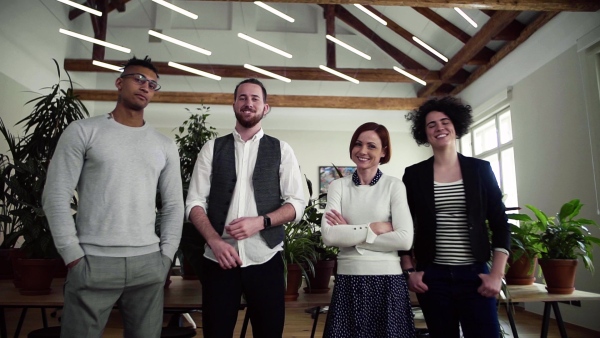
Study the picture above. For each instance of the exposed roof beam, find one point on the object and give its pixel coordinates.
(541, 20)
(118, 5)
(294, 73)
(512, 5)
(509, 33)
(482, 57)
(296, 101)
(497, 23)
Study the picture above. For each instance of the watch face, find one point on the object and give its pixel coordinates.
(267, 222)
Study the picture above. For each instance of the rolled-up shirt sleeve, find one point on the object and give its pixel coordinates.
(291, 181)
(199, 188)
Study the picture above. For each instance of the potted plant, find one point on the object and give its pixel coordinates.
(25, 176)
(10, 227)
(299, 255)
(192, 135)
(565, 239)
(525, 247)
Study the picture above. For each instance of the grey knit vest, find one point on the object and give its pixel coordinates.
(265, 180)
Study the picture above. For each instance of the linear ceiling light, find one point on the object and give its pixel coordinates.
(267, 73)
(179, 42)
(82, 7)
(194, 71)
(107, 65)
(464, 15)
(426, 46)
(176, 9)
(348, 47)
(274, 11)
(336, 73)
(96, 41)
(371, 14)
(264, 45)
(410, 76)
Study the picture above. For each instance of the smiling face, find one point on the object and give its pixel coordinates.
(367, 150)
(249, 105)
(133, 95)
(440, 130)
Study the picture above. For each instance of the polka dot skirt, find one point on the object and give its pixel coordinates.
(370, 307)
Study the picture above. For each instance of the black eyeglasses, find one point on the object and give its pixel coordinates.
(141, 79)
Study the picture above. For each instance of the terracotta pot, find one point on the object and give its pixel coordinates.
(14, 257)
(61, 269)
(6, 269)
(559, 275)
(521, 271)
(319, 283)
(36, 275)
(294, 280)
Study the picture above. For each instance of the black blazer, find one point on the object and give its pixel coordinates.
(483, 200)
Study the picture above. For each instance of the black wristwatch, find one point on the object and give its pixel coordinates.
(267, 221)
(407, 272)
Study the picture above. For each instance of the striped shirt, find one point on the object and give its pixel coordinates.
(453, 246)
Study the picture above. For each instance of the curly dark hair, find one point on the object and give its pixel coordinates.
(384, 136)
(252, 81)
(146, 62)
(459, 114)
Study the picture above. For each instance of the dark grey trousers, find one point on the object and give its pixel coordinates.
(95, 284)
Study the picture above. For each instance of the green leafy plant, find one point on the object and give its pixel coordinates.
(299, 248)
(10, 227)
(525, 237)
(567, 237)
(24, 175)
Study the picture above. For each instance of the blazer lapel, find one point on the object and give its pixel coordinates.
(470, 182)
(426, 181)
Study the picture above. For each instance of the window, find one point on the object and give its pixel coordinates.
(491, 140)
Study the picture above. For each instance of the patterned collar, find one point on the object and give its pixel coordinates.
(375, 179)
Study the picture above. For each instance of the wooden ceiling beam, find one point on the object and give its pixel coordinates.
(507, 5)
(536, 24)
(497, 22)
(118, 5)
(294, 73)
(329, 14)
(352, 21)
(284, 101)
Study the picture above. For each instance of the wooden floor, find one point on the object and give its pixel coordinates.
(298, 324)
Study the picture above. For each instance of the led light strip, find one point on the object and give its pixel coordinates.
(464, 15)
(194, 71)
(348, 47)
(179, 42)
(176, 9)
(264, 45)
(107, 65)
(96, 41)
(429, 48)
(410, 76)
(82, 7)
(274, 11)
(371, 14)
(267, 73)
(336, 73)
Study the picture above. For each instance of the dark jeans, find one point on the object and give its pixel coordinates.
(452, 298)
(263, 287)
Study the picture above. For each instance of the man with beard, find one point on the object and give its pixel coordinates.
(245, 186)
(116, 162)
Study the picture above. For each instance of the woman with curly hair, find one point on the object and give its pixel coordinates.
(454, 200)
(367, 217)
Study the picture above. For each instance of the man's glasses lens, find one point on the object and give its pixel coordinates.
(141, 79)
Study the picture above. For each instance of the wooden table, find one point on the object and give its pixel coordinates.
(537, 293)
(182, 295)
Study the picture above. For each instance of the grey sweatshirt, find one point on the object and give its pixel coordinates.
(116, 170)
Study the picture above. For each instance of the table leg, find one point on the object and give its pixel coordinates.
(315, 320)
(20, 324)
(44, 319)
(559, 320)
(3, 333)
(245, 324)
(545, 320)
(511, 319)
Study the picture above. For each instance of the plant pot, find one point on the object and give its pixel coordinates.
(521, 271)
(15, 255)
(559, 275)
(36, 275)
(319, 283)
(294, 280)
(6, 269)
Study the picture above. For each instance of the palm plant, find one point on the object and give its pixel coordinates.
(24, 175)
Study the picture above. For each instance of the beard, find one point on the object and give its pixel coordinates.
(250, 121)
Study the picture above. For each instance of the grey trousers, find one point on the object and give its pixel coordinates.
(135, 284)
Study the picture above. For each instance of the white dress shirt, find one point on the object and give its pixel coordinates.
(252, 250)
